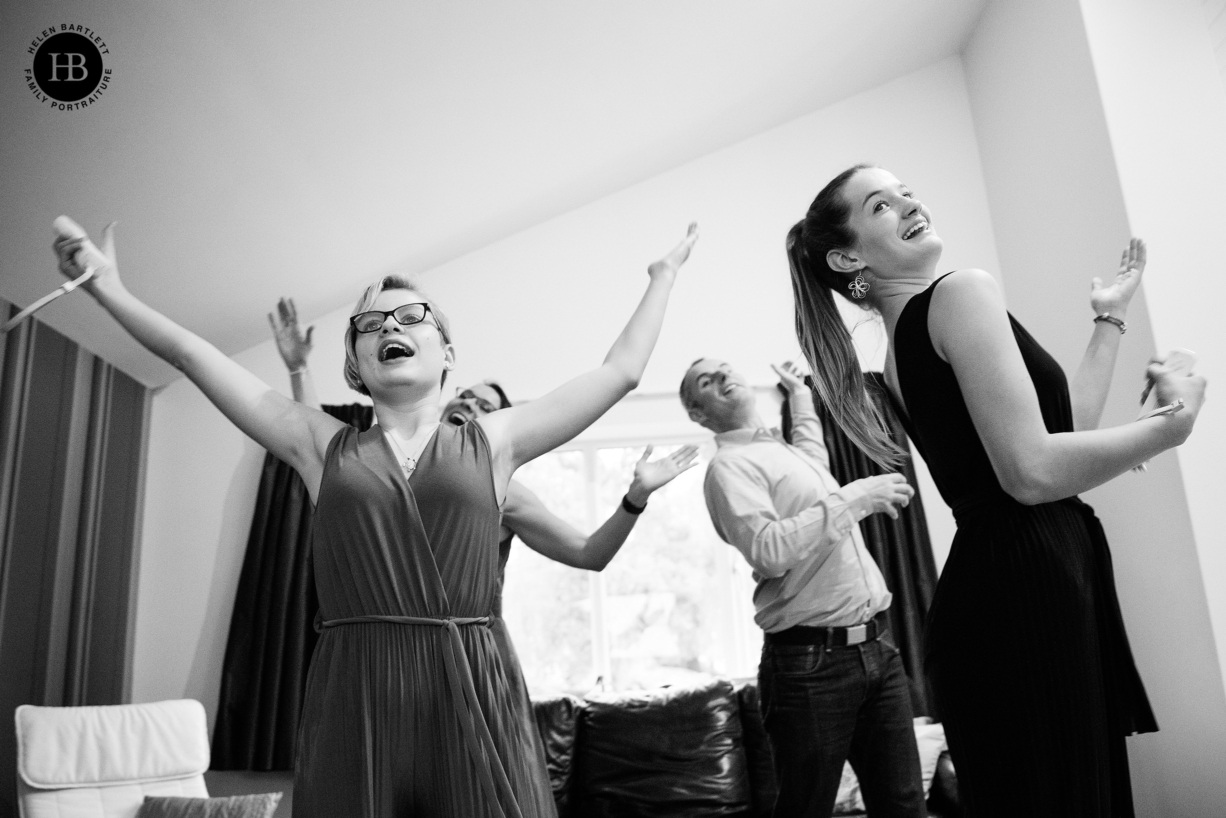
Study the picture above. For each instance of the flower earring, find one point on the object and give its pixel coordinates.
(859, 287)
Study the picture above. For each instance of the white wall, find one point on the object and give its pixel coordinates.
(545, 304)
(1064, 207)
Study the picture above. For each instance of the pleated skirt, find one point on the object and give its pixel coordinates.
(380, 736)
(1019, 652)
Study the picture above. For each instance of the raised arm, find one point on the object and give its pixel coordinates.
(1089, 387)
(549, 535)
(970, 329)
(294, 345)
(522, 433)
(292, 432)
(807, 434)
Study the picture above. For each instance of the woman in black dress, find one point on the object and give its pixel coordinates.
(1025, 647)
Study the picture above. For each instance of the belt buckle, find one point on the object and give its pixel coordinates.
(857, 634)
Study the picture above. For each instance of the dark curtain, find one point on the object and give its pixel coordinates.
(901, 547)
(272, 632)
(72, 446)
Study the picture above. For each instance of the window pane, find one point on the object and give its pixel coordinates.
(546, 604)
(677, 607)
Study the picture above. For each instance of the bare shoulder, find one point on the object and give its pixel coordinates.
(965, 305)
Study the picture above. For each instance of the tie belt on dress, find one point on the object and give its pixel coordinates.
(463, 695)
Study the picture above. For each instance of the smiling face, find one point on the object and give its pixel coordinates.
(717, 397)
(471, 403)
(893, 228)
(397, 356)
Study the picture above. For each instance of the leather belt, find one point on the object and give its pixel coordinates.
(830, 637)
(464, 697)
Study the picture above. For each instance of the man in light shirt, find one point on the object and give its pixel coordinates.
(831, 683)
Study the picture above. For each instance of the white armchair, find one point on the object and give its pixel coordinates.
(101, 762)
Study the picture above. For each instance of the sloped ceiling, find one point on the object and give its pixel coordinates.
(251, 150)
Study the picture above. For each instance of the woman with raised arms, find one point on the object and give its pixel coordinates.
(1025, 648)
(407, 709)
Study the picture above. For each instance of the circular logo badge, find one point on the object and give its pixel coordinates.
(67, 67)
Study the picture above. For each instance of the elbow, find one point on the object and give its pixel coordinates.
(1029, 488)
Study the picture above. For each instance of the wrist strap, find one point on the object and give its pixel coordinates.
(1111, 319)
(631, 508)
(299, 370)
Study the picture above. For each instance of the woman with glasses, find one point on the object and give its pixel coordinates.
(523, 513)
(407, 708)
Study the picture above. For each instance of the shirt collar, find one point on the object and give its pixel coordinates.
(740, 437)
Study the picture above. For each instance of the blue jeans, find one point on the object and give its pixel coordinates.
(823, 706)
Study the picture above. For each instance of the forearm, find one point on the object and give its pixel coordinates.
(1092, 381)
(776, 547)
(1069, 463)
(154, 331)
(303, 386)
(630, 352)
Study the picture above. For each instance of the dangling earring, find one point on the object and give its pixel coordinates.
(859, 287)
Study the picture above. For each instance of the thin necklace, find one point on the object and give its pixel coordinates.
(408, 464)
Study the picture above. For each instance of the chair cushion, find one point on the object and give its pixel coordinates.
(70, 747)
(669, 752)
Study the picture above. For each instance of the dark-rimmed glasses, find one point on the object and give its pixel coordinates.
(406, 315)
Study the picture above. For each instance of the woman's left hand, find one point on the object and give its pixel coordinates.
(1113, 298)
(651, 475)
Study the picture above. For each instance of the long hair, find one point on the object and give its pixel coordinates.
(820, 329)
(395, 281)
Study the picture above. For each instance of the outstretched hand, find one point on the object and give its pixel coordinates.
(75, 253)
(792, 378)
(1114, 298)
(673, 261)
(651, 475)
(293, 344)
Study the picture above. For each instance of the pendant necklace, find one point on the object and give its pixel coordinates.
(407, 463)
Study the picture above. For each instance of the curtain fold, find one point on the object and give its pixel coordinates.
(272, 632)
(901, 547)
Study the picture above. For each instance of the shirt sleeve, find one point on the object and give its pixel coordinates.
(807, 432)
(739, 501)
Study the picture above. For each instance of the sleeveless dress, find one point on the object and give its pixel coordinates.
(1025, 646)
(408, 710)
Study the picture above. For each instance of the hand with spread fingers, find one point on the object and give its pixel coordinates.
(293, 344)
(650, 475)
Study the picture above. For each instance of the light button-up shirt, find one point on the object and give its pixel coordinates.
(779, 505)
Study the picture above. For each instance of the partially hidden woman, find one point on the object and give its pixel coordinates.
(1026, 650)
(523, 513)
(407, 708)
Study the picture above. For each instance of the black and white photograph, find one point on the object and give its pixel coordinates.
(671, 409)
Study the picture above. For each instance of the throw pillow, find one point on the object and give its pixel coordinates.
(234, 806)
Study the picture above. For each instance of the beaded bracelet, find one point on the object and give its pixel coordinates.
(1111, 319)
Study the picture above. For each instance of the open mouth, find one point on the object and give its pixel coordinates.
(394, 350)
(915, 230)
(457, 418)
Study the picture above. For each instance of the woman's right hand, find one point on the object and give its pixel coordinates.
(76, 253)
(1173, 383)
(886, 492)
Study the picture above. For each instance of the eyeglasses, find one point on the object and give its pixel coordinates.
(482, 403)
(406, 315)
